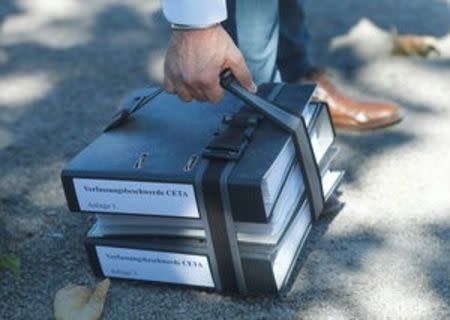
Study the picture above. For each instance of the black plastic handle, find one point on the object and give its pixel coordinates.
(284, 119)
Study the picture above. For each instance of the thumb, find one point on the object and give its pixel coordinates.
(242, 74)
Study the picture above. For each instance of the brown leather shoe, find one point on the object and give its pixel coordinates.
(353, 114)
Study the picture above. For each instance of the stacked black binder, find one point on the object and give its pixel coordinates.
(209, 196)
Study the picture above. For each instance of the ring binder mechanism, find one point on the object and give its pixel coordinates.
(219, 197)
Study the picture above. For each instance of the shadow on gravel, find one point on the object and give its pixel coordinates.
(355, 23)
(360, 37)
(322, 263)
(329, 256)
(438, 270)
(432, 18)
(74, 92)
(87, 80)
(77, 89)
(356, 149)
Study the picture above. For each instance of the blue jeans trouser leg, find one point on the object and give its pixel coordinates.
(293, 59)
(272, 37)
(254, 26)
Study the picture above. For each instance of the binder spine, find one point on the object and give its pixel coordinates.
(69, 192)
(259, 276)
(93, 258)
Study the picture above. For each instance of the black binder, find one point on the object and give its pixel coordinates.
(159, 141)
(208, 160)
(264, 269)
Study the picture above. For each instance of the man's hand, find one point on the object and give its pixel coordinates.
(195, 59)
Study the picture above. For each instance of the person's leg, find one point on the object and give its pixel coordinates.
(294, 63)
(294, 59)
(254, 26)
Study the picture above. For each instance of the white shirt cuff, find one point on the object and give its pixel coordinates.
(195, 12)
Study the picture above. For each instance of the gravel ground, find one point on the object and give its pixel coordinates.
(63, 66)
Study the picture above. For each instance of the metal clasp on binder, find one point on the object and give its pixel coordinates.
(230, 141)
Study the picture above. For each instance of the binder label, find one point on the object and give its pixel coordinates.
(157, 266)
(132, 197)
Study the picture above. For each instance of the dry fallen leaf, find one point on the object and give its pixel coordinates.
(74, 302)
(414, 45)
